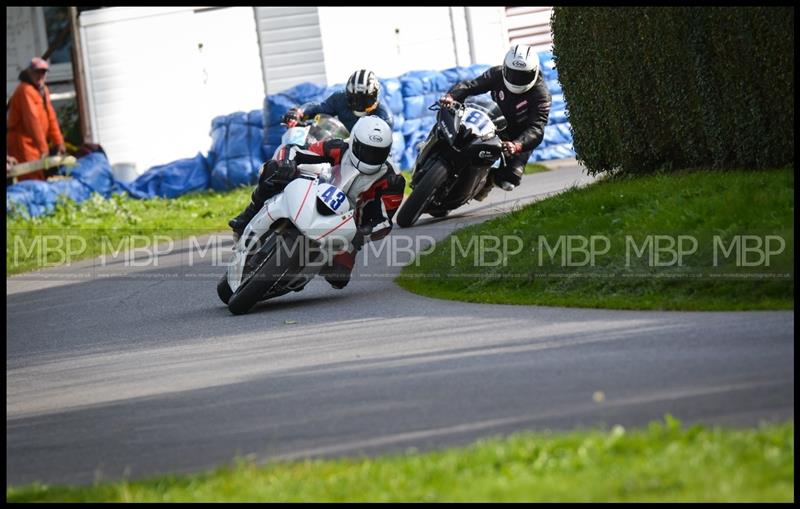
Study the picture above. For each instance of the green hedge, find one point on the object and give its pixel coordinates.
(652, 88)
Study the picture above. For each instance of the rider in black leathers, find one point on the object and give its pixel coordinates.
(522, 95)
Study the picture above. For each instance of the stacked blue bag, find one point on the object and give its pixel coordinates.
(235, 154)
(420, 90)
(557, 142)
(408, 97)
(392, 96)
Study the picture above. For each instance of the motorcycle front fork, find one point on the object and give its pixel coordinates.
(422, 153)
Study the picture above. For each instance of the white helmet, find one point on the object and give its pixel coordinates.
(370, 144)
(520, 69)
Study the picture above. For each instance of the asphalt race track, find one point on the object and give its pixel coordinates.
(114, 370)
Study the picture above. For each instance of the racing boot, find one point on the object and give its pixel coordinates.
(239, 222)
(506, 186)
(508, 179)
(272, 178)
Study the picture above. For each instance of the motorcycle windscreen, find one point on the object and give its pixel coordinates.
(295, 136)
(327, 127)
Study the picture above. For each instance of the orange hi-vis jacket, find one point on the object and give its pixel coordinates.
(31, 122)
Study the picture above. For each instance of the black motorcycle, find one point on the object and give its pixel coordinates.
(453, 164)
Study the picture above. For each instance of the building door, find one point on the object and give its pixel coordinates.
(227, 44)
(157, 76)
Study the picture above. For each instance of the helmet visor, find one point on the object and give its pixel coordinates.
(362, 102)
(519, 78)
(370, 154)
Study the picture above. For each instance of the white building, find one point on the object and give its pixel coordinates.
(156, 76)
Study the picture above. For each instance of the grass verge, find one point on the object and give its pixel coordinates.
(535, 168)
(626, 266)
(100, 223)
(663, 462)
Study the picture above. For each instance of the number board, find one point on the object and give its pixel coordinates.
(332, 196)
(479, 122)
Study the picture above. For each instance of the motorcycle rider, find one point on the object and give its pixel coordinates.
(359, 98)
(376, 191)
(525, 102)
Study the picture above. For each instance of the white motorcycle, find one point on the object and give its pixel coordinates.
(294, 235)
(297, 231)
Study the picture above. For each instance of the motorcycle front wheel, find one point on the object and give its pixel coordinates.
(423, 193)
(224, 291)
(268, 268)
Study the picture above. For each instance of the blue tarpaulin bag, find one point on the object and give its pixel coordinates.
(414, 107)
(94, 171)
(392, 95)
(72, 189)
(171, 180)
(30, 197)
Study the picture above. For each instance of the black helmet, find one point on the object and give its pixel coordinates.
(362, 92)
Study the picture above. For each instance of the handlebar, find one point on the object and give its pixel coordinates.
(453, 105)
(302, 123)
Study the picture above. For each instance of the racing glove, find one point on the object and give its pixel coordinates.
(362, 235)
(292, 117)
(447, 100)
(279, 172)
(512, 147)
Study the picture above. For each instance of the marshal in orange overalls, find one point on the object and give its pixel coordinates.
(31, 122)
